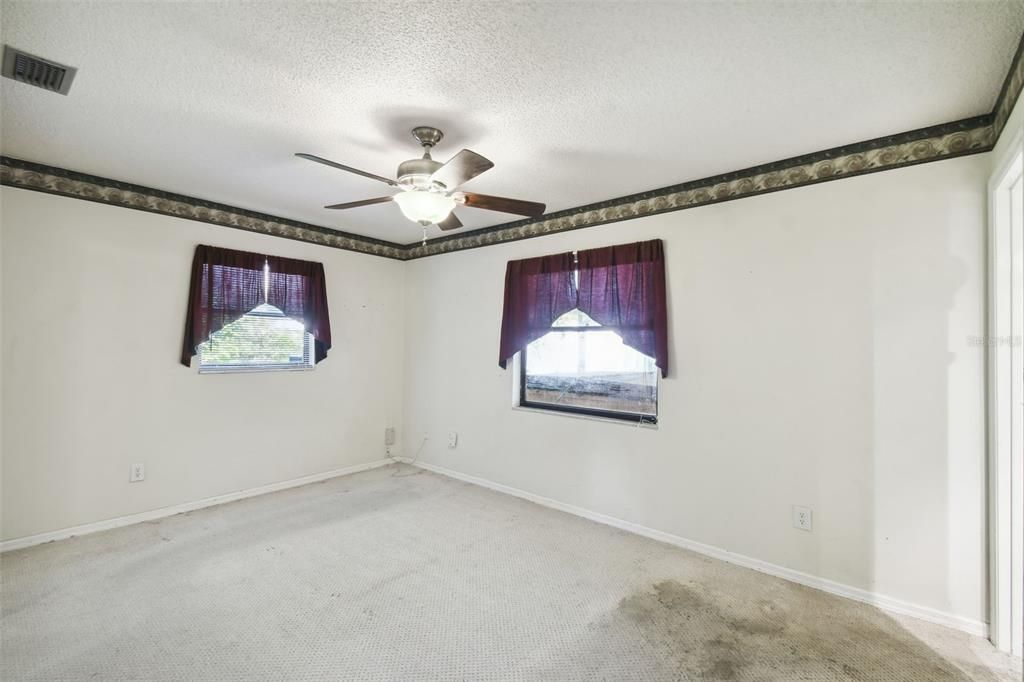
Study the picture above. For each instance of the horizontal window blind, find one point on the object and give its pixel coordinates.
(263, 338)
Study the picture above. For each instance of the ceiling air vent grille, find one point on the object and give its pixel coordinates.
(41, 73)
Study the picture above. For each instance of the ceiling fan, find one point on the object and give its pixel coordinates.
(429, 187)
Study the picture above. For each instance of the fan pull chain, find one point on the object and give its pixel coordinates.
(424, 235)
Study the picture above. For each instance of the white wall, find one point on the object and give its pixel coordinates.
(822, 356)
(93, 315)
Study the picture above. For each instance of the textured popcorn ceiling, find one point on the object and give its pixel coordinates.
(575, 103)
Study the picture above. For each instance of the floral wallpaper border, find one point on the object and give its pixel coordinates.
(1010, 92)
(933, 144)
(959, 138)
(52, 180)
(971, 136)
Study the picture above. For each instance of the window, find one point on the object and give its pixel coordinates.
(589, 329)
(262, 339)
(583, 367)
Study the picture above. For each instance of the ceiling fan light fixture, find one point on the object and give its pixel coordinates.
(424, 207)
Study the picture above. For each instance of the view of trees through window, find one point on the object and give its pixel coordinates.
(582, 366)
(263, 338)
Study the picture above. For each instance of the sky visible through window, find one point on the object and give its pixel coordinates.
(584, 353)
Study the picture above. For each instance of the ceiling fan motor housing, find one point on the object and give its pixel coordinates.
(415, 173)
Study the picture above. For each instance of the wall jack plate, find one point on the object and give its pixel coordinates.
(802, 517)
(137, 473)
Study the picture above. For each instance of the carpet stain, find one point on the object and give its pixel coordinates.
(704, 634)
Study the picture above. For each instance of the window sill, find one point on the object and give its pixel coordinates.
(589, 417)
(252, 370)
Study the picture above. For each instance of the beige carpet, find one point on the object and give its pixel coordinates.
(420, 577)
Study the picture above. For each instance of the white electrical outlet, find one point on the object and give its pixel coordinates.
(453, 440)
(137, 473)
(389, 435)
(802, 517)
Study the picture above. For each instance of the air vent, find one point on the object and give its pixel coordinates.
(41, 73)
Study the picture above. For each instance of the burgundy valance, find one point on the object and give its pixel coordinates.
(227, 284)
(621, 287)
(298, 289)
(537, 292)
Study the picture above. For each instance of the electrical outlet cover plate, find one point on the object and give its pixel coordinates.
(137, 473)
(802, 517)
(453, 439)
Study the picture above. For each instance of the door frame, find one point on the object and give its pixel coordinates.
(1006, 377)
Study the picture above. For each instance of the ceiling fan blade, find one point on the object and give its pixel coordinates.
(364, 202)
(461, 168)
(452, 222)
(343, 167)
(527, 208)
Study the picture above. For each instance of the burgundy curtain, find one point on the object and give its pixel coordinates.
(537, 292)
(298, 289)
(227, 284)
(624, 287)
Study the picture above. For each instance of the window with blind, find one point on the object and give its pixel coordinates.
(257, 338)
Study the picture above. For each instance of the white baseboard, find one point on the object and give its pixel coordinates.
(883, 602)
(107, 524)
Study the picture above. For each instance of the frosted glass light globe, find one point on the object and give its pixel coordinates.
(425, 207)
